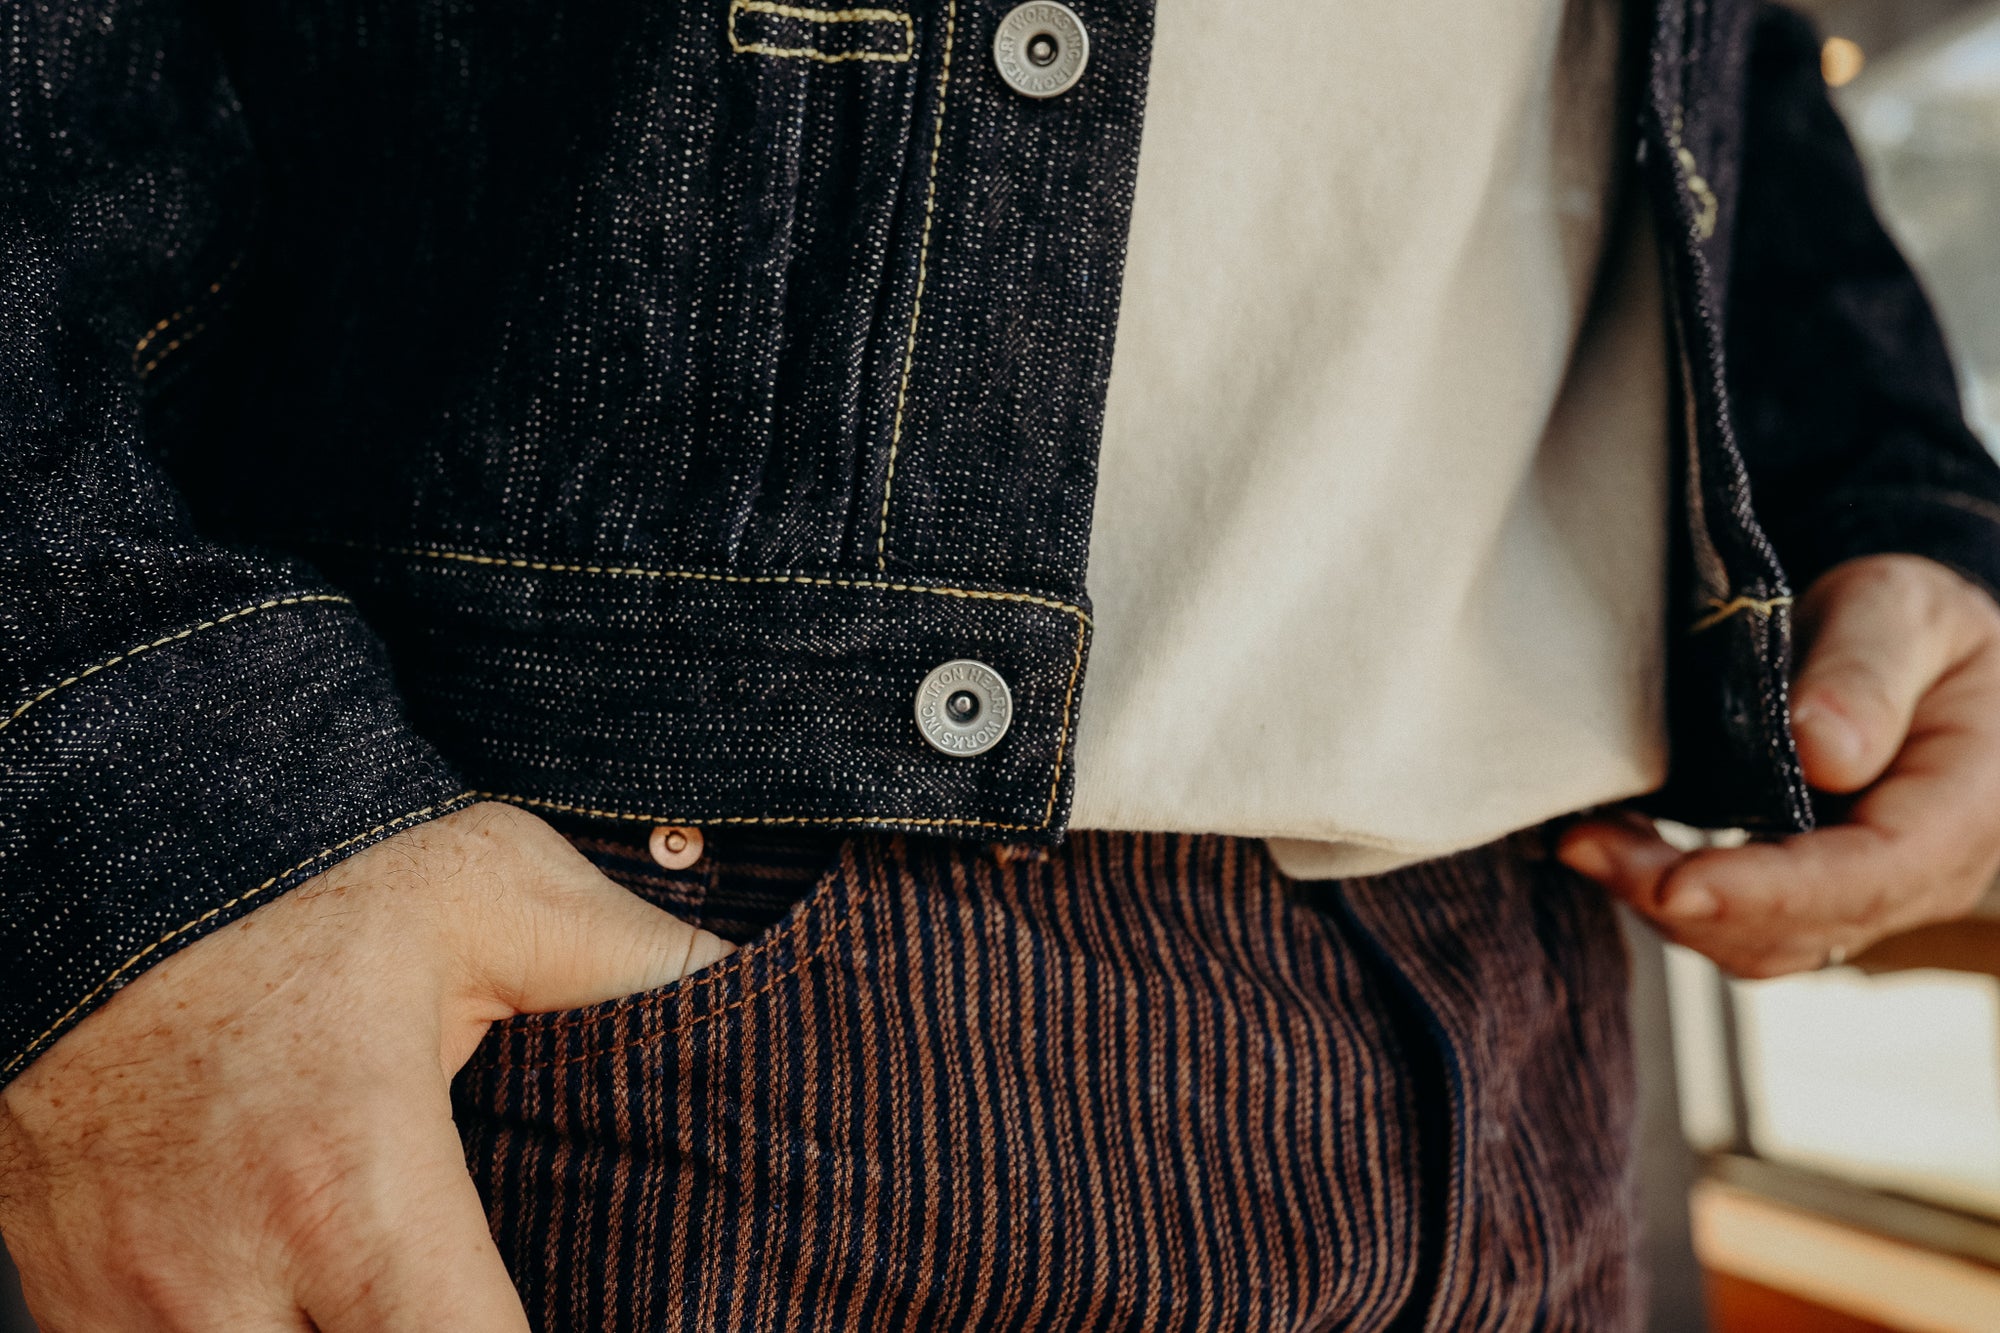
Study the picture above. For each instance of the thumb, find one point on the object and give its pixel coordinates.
(590, 940)
(1873, 650)
(566, 936)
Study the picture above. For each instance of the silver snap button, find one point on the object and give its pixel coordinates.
(963, 707)
(1041, 49)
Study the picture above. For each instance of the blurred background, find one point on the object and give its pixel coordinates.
(1823, 1152)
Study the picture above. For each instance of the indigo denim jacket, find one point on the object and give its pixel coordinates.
(618, 409)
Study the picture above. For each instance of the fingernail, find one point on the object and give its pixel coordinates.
(1587, 857)
(1830, 731)
(1691, 902)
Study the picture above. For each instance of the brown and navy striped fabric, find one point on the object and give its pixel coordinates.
(1141, 1082)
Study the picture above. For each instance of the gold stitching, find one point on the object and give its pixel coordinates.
(821, 16)
(68, 681)
(1062, 741)
(594, 812)
(146, 339)
(1709, 207)
(1763, 606)
(168, 350)
(555, 567)
(917, 302)
(214, 912)
(700, 576)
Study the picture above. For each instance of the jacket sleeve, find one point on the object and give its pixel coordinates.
(187, 730)
(1842, 389)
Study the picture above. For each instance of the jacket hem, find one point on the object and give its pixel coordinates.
(620, 692)
(148, 798)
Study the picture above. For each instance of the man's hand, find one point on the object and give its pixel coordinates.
(1898, 699)
(257, 1134)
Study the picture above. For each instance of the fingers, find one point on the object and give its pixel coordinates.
(1682, 896)
(1766, 909)
(1877, 634)
(1627, 857)
(413, 1253)
(1898, 699)
(1786, 907)
(257, 1132)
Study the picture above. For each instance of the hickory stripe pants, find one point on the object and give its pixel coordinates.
(1141, 1082)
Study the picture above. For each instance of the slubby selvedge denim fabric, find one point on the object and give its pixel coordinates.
(1142, 1082)
(618, 409)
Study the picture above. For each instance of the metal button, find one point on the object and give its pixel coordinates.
(675, 846)
(1041, 49)
(963, 707)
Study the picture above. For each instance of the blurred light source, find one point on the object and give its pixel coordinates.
(1840, 60)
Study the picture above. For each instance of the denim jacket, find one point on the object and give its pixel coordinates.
(619, 409)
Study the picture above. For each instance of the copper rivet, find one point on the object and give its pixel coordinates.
(675, 847)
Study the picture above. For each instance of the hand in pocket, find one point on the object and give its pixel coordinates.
(257, 1133)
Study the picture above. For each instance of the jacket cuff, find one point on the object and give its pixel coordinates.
(156, 796)
(1958, 531)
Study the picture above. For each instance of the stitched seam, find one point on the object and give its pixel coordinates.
(1709, 206)
(191, 630)
(917, 302)
(799, 964)
(1735, 606)
(213, 912)
(1062, 741)
(594, 812)
(708, 977)
(168, 349)
(556, 567)
(701, 576)
(821, 16)
(147, 339)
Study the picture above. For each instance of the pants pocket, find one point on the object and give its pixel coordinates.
(734, 900)
(628, 1151)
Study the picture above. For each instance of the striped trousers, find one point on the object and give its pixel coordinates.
(1140, 1082)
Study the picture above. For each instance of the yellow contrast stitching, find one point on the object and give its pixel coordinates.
(821, 16)
(702, 576)
(1709, 206)
(917, 303)
(129, 653)
(1062, 741)
(1048, 814)
(214, 912)
(810, 580)
(168, 350)
(706, 821)
(1735, 606)
(151, 335)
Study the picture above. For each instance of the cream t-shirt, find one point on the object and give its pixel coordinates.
(1378, 552)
